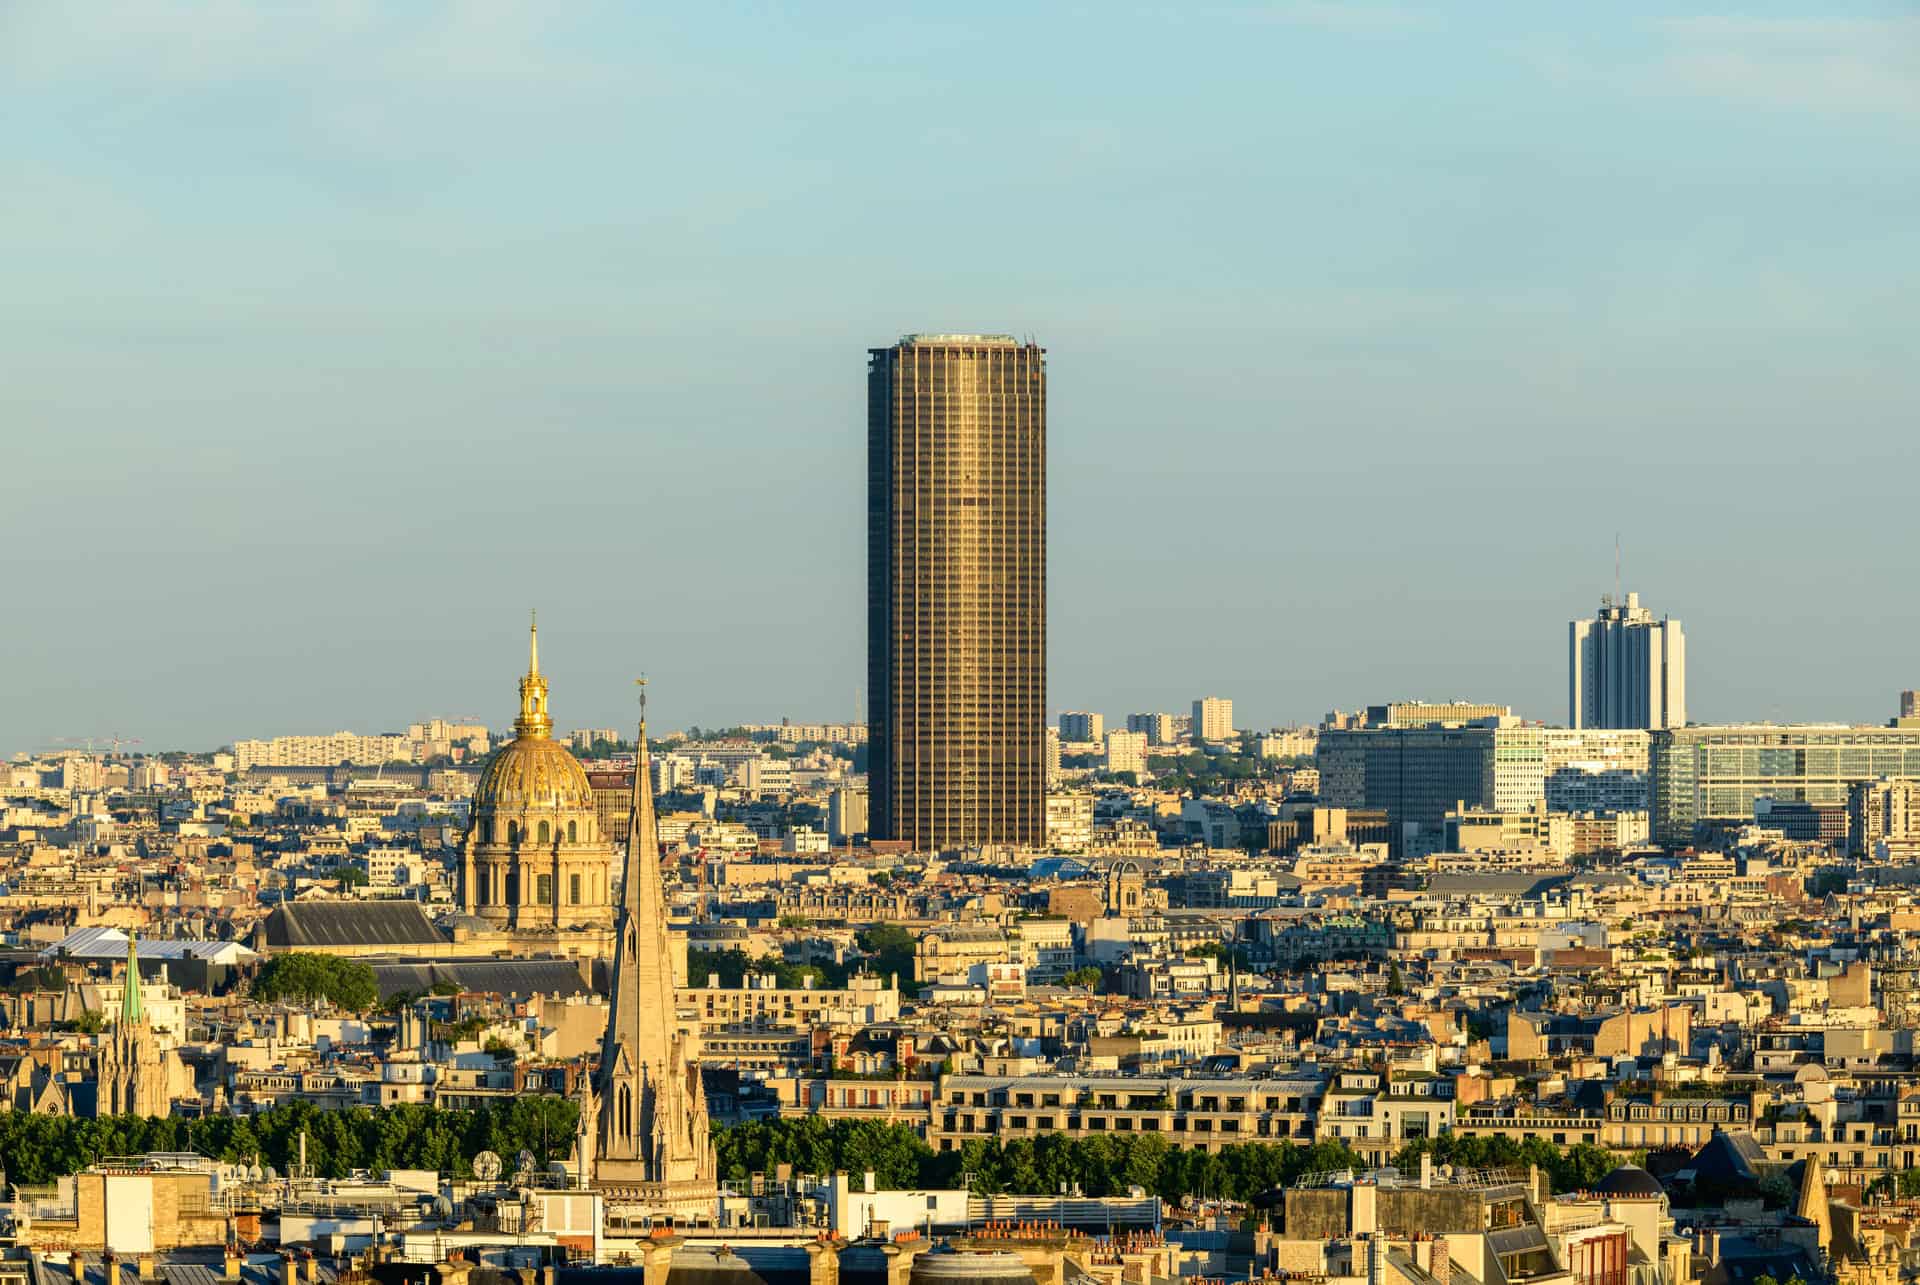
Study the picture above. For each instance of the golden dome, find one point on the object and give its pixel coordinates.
(533, 770)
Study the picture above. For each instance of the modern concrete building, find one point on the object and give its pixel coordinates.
(1594, 769)
(1213, 719)
(1883, 819)
(956, 590)
(1418, 774)
(1158, 727)
(1713, 775)
(1069, 822)
(1421, 713)
(1127, 752)
(1079, 725)
(1626, 669)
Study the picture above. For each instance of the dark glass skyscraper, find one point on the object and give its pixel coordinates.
(957, 590)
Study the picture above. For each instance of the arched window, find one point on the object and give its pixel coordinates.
(626, 1110)
(543, 832)
(573, 835)
(513, 832)
(486, 830)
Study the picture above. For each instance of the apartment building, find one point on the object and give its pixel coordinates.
(1206, 1113)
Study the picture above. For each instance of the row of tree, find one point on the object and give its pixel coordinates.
(36, 1149)
(1108, 1164)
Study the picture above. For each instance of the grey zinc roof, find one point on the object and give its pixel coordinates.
(502, 976)
(351, 923)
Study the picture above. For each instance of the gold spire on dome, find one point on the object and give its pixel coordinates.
(534, 723)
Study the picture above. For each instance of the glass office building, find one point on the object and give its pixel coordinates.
(1714, 774)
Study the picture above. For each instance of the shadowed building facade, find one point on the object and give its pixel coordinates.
(956, 590)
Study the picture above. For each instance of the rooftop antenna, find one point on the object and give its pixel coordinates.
(1616, 568)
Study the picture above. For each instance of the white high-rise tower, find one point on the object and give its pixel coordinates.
(1626, 669)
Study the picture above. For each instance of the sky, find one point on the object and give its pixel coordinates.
(334, 338)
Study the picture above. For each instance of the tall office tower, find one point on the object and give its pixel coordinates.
(1212, 718)
(1078, 725)
(956, 590)
(1626, 669)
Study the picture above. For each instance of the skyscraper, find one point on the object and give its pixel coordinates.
(956, 590)
(1626, 669)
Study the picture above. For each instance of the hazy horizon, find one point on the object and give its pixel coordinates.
(338, 340)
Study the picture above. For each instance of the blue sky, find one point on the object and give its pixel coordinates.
(337, 336)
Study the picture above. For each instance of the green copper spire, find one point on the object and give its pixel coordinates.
(130, 998)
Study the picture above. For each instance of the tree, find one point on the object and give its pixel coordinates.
(1396, 984)
(313, 977)
(1088, 977)
(893, 950)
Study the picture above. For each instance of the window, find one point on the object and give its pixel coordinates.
(573, 889)
(573, 836)
(543, 832)
(543, 888)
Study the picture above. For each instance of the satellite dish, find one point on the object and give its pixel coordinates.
(486, 1166)
(523, 1163)
(443, 1207)
(256, 1174)
(270, 1174)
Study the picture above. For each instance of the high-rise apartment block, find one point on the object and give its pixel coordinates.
(1159, 728)
(1626, 669)
(1883, 819)
(1078, 725)
(956, 590)
(1213, 719)
(1127, 752)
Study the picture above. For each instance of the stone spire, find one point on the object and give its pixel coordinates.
(130, 996)
(130, 1069)
(653, 1145)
